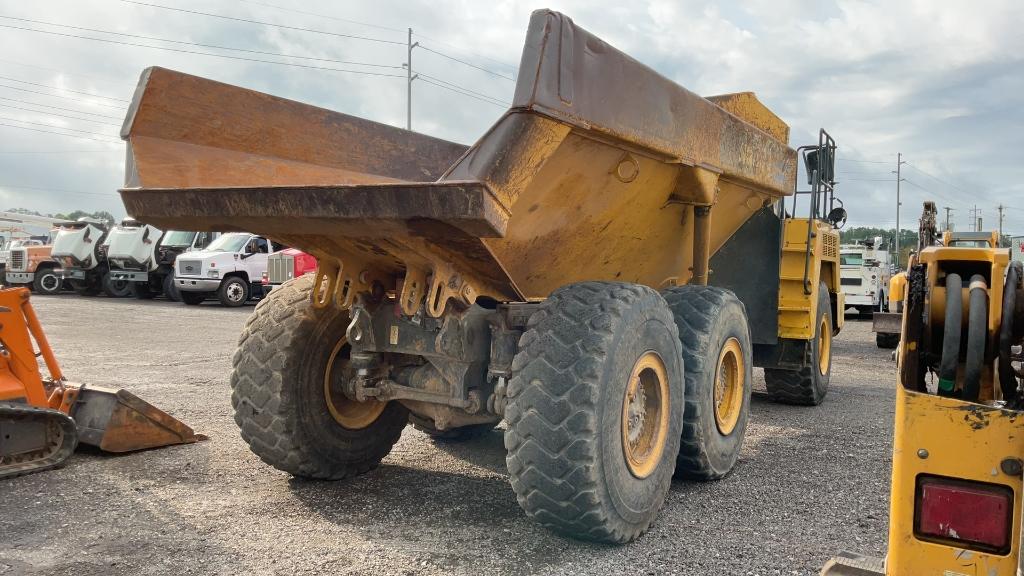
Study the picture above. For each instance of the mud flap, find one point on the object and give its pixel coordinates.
(848, 564)
(119, 421)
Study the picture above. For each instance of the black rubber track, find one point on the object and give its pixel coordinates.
(704, 314)
(806, 386)
(565, 399)
(278, 397)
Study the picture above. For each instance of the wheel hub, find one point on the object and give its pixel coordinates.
(645, 415)
(50, 282)
(729, 386)
(824, 346)
(235, 292)
(349, 413)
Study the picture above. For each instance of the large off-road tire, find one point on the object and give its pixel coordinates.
(171, 289)
(87, 287)
(233, 291)
(192, 298)
(115, 288)
(718, 363)
(290, 361)
(459, 434)
(46, 281)
(595, 410)
(808, 385)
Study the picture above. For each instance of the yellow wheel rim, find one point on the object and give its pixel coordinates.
(645, 414)
(824, 346)
(349, 413)
(729, 384)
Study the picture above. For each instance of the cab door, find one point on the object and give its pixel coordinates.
(254, 258)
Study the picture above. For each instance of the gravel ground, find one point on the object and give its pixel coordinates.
(810, 482)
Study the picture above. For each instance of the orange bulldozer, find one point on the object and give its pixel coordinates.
(43, 420)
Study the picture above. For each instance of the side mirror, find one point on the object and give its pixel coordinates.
(837, 217)
(822, 160)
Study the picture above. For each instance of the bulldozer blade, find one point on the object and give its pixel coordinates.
(119, 421)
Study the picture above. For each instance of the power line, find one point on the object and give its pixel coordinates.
(275, 6)
(122, 43)
(493, 99)
(283, 26)
(59, 115)
(215, 46)
(465, 51)
(59, 108)
(937, 179)
(863, 161)
(482, 69)
(57, 127)
(457, 91)
(111, 141)
(62, 190)
(38, 67)
(59, 88)
(104, 104)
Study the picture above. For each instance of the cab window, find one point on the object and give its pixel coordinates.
(851, 259)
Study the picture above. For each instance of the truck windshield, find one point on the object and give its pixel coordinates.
(178, 238)
(228, 243)
(851, 259)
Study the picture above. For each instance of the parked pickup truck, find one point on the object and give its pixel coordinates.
(286, 264)
(230, 268)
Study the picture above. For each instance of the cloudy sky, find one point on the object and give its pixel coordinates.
(941, 82)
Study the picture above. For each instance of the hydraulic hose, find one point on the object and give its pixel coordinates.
(977, 334)
(1007, 376)
(951, 335)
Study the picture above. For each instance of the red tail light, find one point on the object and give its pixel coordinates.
(964, 514)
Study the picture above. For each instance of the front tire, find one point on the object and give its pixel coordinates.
(171, 289)
(233, 291)
(192, 298)
(887, 341)
(46, 281)
(808, 385)
(595, 407)
(717, 357)
(116, 288)
(285, 391)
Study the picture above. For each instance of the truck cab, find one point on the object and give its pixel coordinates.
(144, 256)
(28, 263)
(80, 249)
(230, 268)
(864, 275)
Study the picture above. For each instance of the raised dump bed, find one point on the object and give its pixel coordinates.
(603, 183)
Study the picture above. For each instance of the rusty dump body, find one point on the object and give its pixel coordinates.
(593, 173)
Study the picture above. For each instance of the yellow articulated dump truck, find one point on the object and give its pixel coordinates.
(601, 270)
(958, 443)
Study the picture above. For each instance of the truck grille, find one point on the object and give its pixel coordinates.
(189, 267)
(850, 281)
(280, 268)
(17, 262)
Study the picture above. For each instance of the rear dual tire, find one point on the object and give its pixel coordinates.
(46, 281)
(808, 385)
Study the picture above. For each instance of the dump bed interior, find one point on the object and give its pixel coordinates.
(593, 173)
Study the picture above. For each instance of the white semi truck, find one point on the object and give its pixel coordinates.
(230, 268)
(144, 256)
(864, 274)
(80, 249)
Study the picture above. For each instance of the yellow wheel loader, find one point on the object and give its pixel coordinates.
(42, 420)
(958, 442)
(601, 270)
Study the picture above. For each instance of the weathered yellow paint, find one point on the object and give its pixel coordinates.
(797, 309)
(962, 440)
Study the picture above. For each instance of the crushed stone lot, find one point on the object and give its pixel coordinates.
(810, 482)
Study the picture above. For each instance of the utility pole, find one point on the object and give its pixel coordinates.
(899, 164)
(409, 77)
(975, 218)
(1001, 208)
(948, 210)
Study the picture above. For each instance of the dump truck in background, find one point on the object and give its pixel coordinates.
(144, 256)
(25, 258)
(80, 250)
(958, 441)
(602, 270)
(230, 269)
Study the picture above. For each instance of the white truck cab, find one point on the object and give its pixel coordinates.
(80, 250)
(864, 274)
(230, 268)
